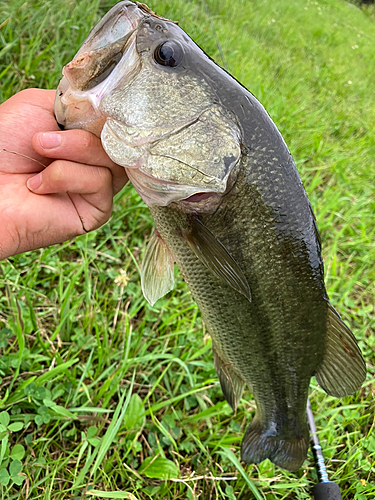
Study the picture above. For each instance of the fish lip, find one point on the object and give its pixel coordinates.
(104, 36)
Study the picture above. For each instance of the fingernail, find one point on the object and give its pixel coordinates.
(34, 182)
(50, 141)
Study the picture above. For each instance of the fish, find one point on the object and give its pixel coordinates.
(229, 209)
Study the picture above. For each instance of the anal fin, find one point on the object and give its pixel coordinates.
(157, 272)
(231, 384)
(343, 369)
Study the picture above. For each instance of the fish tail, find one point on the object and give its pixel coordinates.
(287, 449)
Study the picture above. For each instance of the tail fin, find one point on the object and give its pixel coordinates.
(287, 451)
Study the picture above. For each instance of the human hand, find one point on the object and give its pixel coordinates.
(77, 180)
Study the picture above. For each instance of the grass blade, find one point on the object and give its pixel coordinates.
(232, 457)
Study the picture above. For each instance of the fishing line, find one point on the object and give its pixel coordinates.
(215, 34)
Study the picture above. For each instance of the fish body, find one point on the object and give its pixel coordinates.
(229, 208)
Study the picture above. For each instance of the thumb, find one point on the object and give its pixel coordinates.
(35, 182)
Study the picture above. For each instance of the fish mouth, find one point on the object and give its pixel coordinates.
(107, 60)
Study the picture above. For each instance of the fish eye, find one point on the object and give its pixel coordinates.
(168, 54)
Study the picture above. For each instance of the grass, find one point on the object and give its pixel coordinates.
(103, 396)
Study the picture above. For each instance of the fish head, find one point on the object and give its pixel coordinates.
(141, 84)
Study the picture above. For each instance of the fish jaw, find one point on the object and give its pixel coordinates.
(107, 60)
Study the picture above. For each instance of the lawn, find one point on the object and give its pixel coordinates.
(104, 396)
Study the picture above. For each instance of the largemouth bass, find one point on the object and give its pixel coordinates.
(229, 208)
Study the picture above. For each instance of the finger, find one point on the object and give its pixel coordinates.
(40, 98)
(79, 146)
(22, 115)
(63, 176)
(90, 189)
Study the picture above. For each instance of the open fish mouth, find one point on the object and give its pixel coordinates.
(109, 50)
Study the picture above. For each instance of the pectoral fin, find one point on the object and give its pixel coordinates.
(231, 384)
(157, 276)
(213, 254)
(343, 369)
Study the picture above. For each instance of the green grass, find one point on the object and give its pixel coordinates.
(103, 396)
